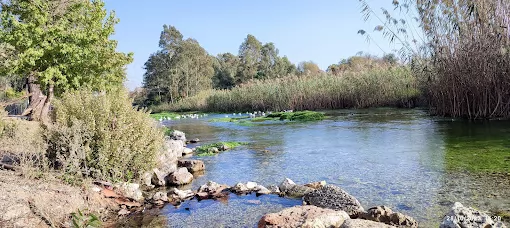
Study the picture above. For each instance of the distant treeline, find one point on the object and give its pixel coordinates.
(182, 68)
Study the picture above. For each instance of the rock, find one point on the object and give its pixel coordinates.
(192, 165)
(160, 196)
(211, 190)
(360, 223)
(316, 185)
(274, 189)
(261, 190)
(147, 179)
(291, 189)
(130, 190)
(174, 150)
(297, 191)
(180, 195)
(123, 212)
(401, 220)
(240, 188)
(335, 198)
(467, 217)
(158, 177)
(377, 214)
(286, 184)
(224, 147)
(195, 140)
(187, 151)
(304, 216)
(213, 150)
(385, 215)
(179, 177)
(251, 185)
(178, 135)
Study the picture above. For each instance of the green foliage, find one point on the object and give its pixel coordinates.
(63, 43)
(180, 69)
(297, 116)
(205, 150)
(102, 136)
(85, 221)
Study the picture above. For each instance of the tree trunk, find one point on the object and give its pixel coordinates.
(46, 108)
(36, 100)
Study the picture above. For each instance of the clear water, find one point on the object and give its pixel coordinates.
(403, 159)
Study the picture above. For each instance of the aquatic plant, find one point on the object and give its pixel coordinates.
(206, 150)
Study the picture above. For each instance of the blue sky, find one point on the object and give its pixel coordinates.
(322, 31)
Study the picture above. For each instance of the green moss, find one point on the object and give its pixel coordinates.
(168, 131)
(204, 150)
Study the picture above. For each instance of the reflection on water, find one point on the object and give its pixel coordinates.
(398, 158)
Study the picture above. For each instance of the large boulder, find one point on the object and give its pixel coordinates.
(386, 215)
(179, 177)
(360, 223)
(174, 149)
(291, 189)
(130, 190)
(467, 217)
(304, 216)
(335, 198)
(192, 165)
(178, 135)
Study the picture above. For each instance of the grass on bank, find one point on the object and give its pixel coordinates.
(395, 86)
(206, 150)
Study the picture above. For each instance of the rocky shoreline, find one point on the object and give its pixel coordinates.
(323, 205)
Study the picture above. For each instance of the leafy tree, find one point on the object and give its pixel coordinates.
(61, 45)
(307, 67)
(181, 68)
(193, 66)
(225, 67)
(250, 53)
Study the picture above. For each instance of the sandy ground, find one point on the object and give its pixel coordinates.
(44, 203)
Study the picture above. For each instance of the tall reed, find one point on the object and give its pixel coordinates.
(394, 86)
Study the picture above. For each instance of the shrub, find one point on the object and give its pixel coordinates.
(102, 136)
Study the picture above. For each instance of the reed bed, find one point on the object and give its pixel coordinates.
(394, 86)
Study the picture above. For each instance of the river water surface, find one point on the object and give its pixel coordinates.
(404, 159)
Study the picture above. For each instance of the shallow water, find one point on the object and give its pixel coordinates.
(404, 159)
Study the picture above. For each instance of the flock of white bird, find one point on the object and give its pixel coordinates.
(196, 116)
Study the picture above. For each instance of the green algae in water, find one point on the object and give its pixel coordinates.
(204, 149)
(298, 116)
(162, 115)
(480, 147)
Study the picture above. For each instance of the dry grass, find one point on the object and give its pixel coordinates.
(27, 202)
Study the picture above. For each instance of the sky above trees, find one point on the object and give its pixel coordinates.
(322, 31)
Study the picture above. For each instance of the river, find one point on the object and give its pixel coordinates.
(415, 164)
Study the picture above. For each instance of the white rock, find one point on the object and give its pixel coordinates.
(251, 185)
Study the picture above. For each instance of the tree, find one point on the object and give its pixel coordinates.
(225, 67)
(250, 53)
(170, 40)
(62, 45)
(308, 67)
(161, 86)
(193, 66)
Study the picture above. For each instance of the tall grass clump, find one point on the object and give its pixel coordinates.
(193, 103)
(102, 136)
(394, 86)
(470, 45)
